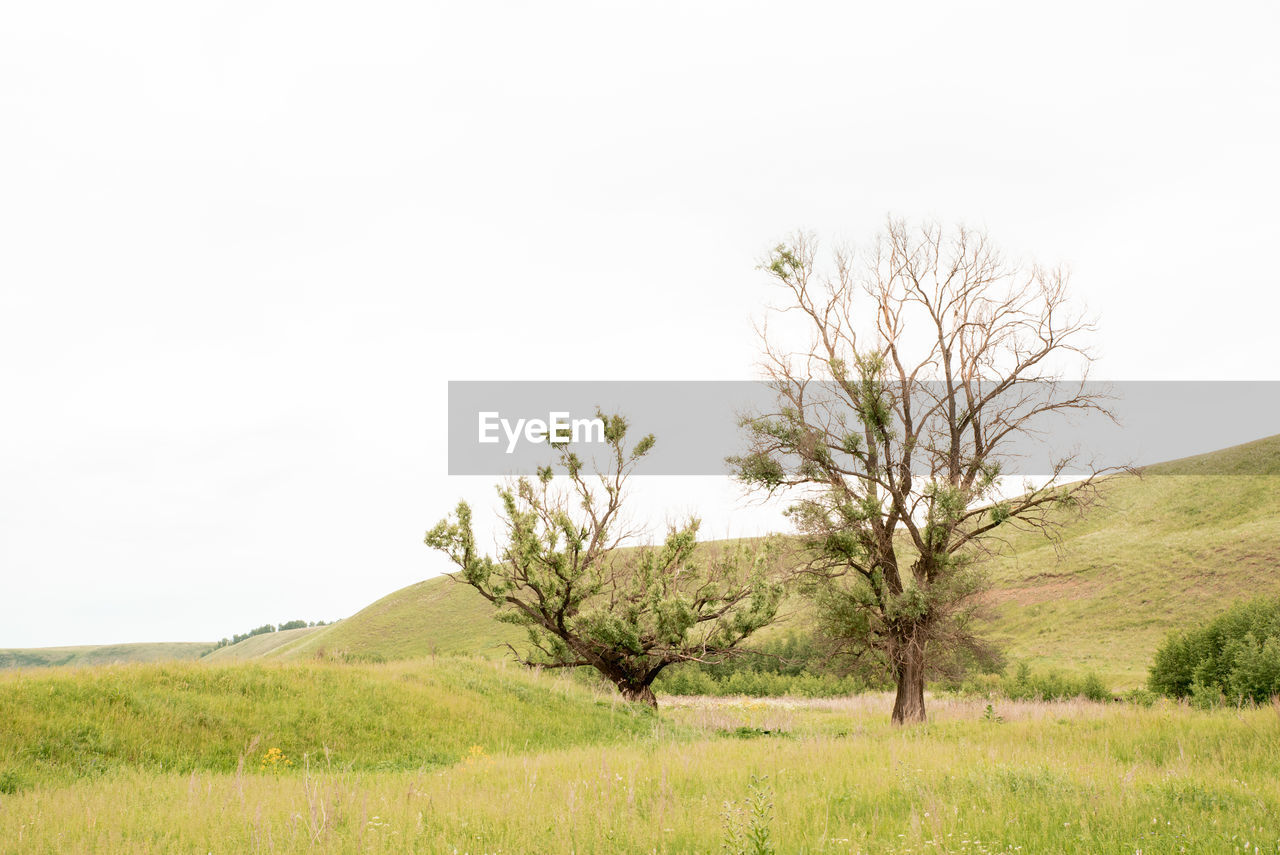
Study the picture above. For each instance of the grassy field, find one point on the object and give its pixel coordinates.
(563, 771)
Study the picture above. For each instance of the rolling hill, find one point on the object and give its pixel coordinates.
(1169, 546)
(437, 616)
(103, 654)
(180, 717)
(259, 646)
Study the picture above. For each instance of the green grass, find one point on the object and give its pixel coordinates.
(64, 724)
(1047, 778)
(1166, 550)
(103, 654)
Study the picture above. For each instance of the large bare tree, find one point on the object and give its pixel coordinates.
(926, 358)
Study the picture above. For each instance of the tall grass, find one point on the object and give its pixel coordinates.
(1063, 777)
(60, 725)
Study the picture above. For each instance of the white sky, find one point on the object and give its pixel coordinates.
(244, 246)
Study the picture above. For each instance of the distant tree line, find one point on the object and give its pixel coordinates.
(265, 628)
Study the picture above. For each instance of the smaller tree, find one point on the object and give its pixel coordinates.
(561, 573)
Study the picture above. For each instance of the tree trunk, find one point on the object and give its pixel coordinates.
(634, 692)
(908, 706)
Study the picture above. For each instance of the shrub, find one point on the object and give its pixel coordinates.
(686, 680)
(1094, 689)
(1054, 685)
(1141, 697)
(1027, 685)
(1235, 656)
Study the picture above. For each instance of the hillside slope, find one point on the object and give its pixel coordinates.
(258, 646)
(1168, 547)
(103, 654)
(437, 616)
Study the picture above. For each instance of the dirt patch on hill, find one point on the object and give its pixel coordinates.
(1045, 588)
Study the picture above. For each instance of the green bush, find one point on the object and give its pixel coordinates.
(686, 680)
(789, 665)
(1027, 685)
(1054, 685)
(1204, 696)
(1235, 656)
(1141, 697)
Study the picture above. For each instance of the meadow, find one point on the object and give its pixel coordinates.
(470, 756)
(400, 729)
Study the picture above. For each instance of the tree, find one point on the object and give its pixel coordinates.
(924, 363)
(628, 613)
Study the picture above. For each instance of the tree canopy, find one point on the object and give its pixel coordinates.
(562, 572)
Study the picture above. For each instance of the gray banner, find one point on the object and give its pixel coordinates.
(500, 427)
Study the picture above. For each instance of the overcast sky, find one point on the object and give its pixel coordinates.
(244, 246)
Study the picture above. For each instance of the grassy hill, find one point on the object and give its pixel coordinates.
(103, 654)
(258, 646)
(63, 724)
(434, 617)
(1168, 546)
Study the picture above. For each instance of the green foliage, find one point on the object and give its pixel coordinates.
(1025, 684)
(1141, 697)
(686, 680)
(1235, 656)
(629, 614)
(748, 827)
(1204, 696)
(791, 664)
